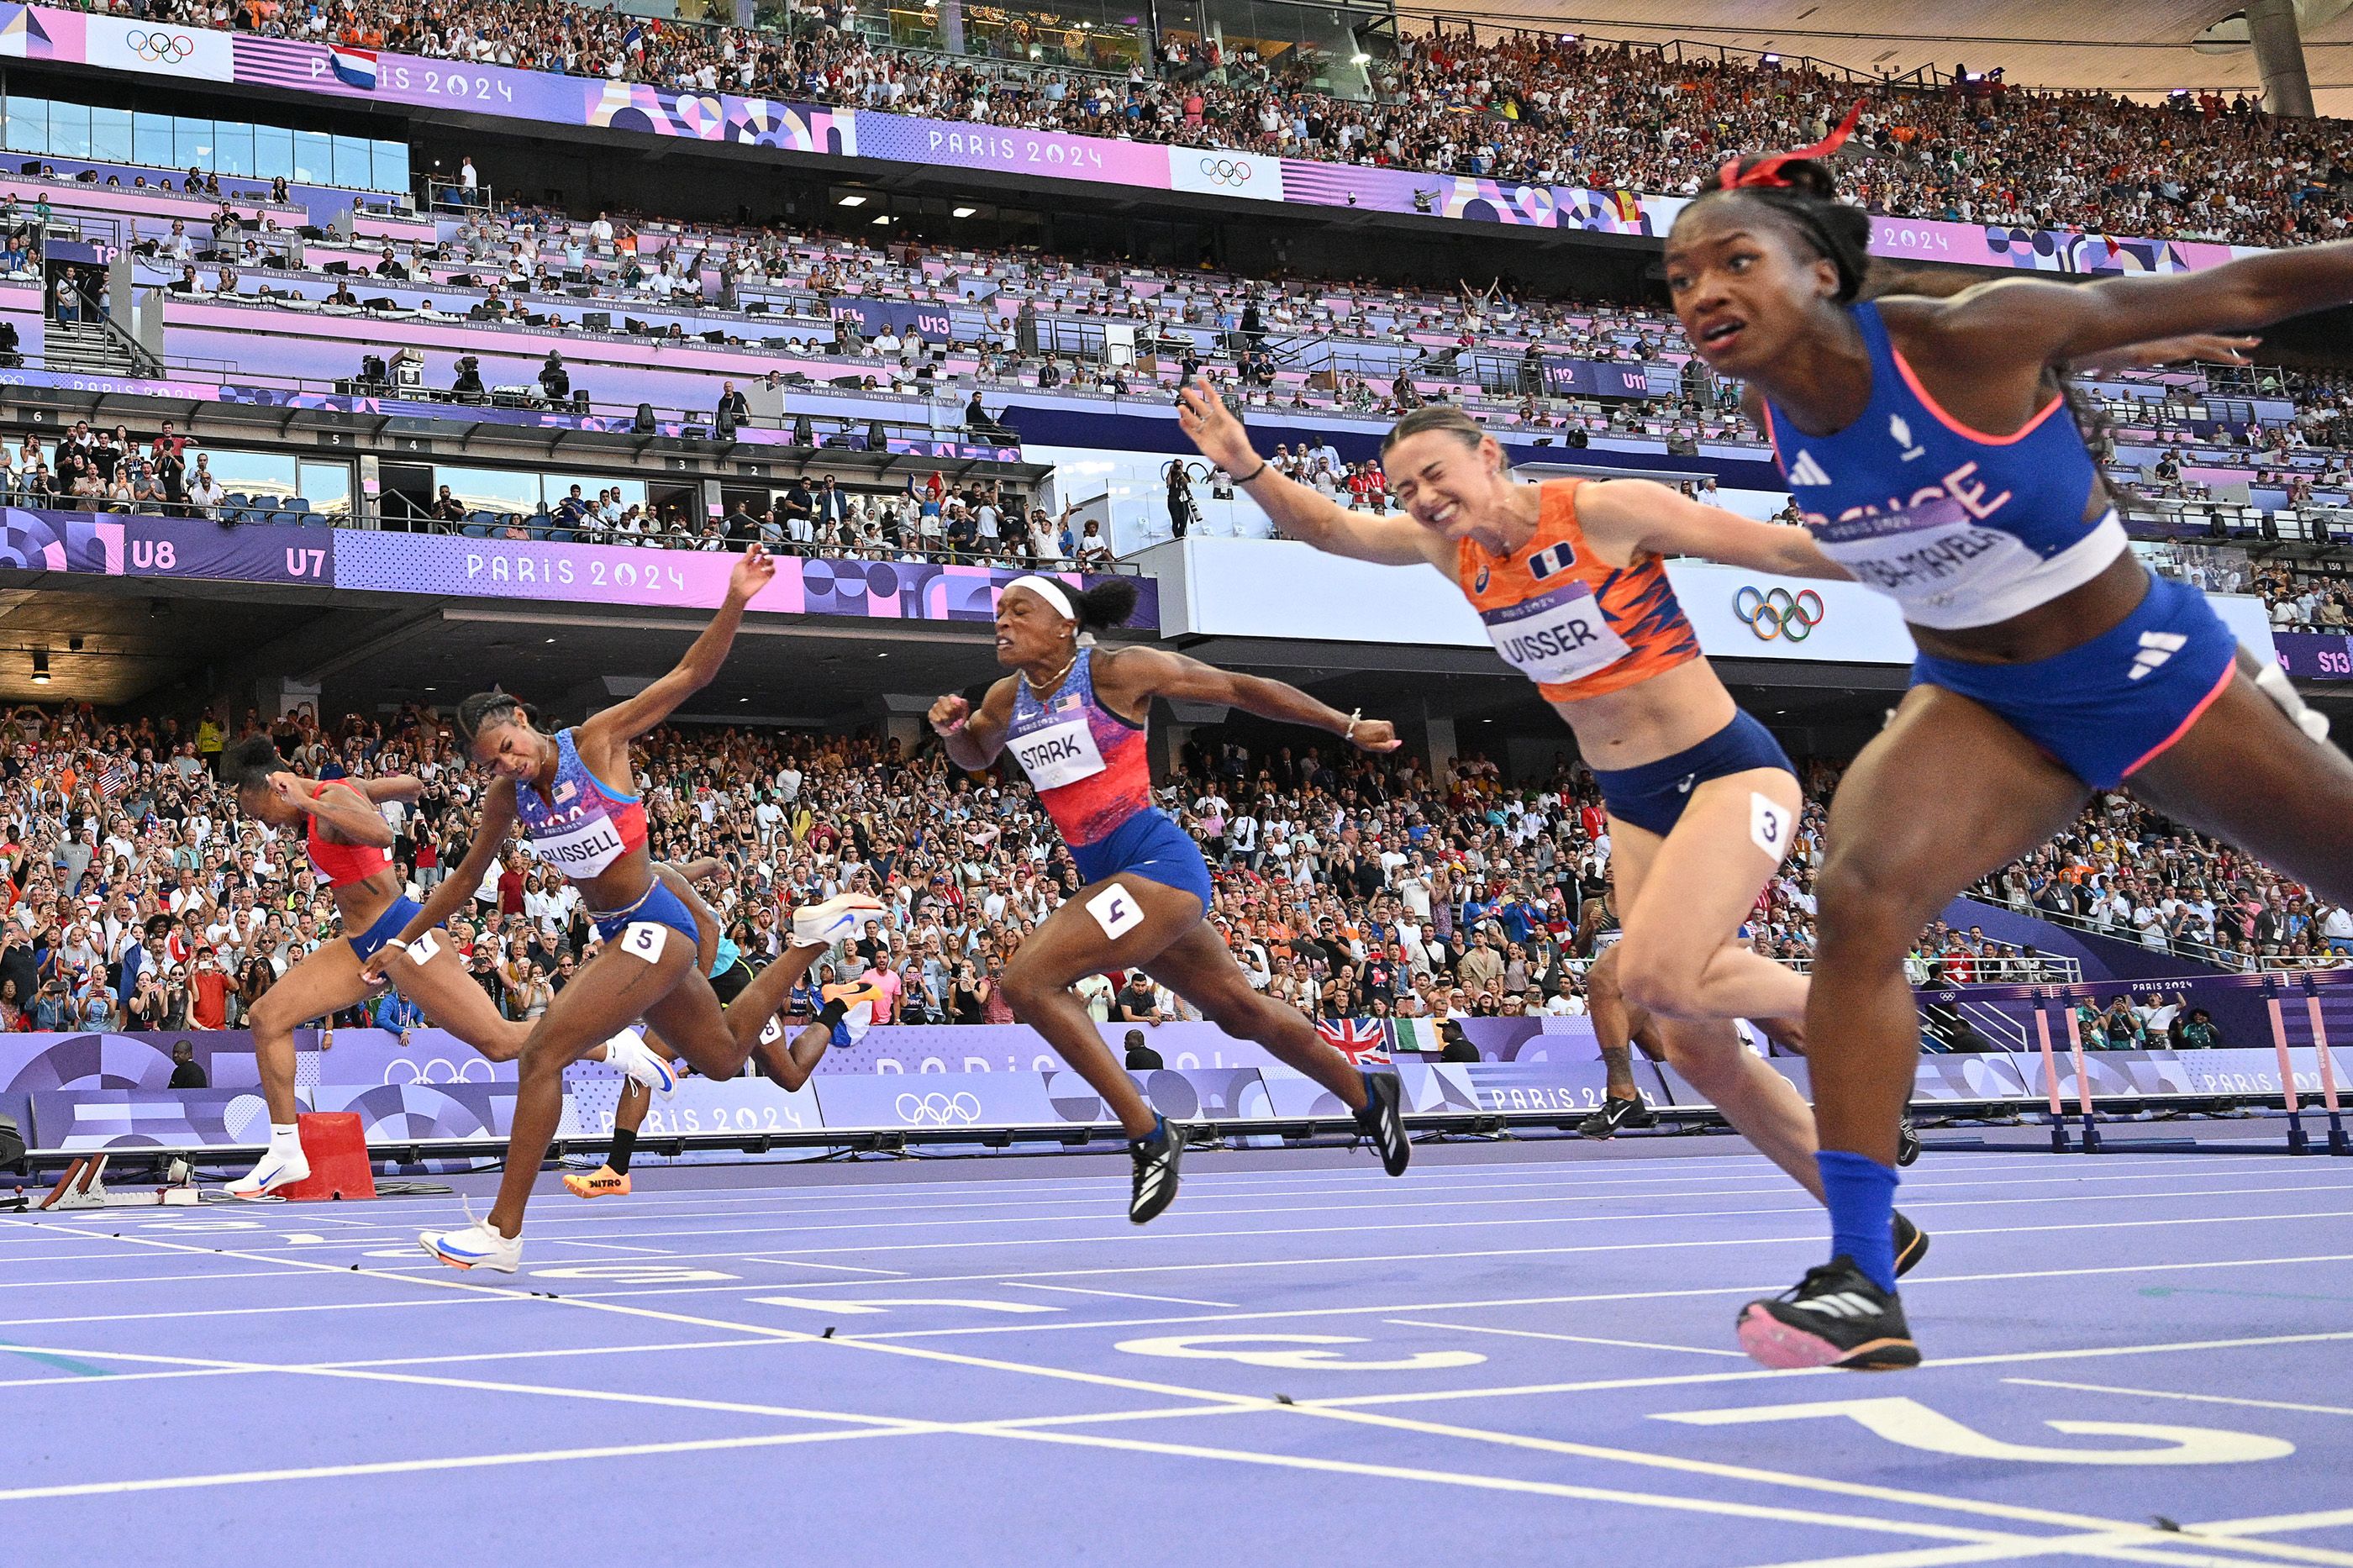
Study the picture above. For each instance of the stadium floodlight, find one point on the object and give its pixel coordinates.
(962, 212)
(850, 201)
(40, 667)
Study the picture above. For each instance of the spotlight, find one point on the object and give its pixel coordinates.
(852, 202)
(40, 667)
(73, 644)
(962, 212)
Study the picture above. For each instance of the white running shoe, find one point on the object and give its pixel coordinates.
(834, 921)
(628, 1051)
(278, 1168)
(476, 1247)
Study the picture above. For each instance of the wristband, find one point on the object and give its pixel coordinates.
(1349, 735)
(1262, 466)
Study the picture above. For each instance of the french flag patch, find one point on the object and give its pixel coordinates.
(353, 67)
(1559, 558)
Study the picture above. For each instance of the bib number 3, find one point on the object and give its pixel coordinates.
(1768, 826)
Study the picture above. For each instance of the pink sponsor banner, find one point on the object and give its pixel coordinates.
(687, 579)
(2041, 250)
(959, 143)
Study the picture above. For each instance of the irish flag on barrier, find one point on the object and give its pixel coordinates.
(1364, 1041)
(353, 67)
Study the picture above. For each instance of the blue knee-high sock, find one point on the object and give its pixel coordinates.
(1861, 1193)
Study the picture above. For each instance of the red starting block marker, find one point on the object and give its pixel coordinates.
(336, 1146)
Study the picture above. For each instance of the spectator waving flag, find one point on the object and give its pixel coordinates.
(353, 67)
(111, 780)
(1364, 1041)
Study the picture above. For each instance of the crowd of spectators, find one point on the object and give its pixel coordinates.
(1348, 886)
(1541, 108)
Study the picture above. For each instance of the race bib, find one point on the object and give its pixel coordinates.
(581, 851)
(1556, 637)
(1057, 754)
(1927, 553)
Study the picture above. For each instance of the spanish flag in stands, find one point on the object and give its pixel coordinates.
(1628, 205)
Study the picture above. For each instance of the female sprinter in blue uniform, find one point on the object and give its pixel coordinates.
(785, 1064)
(350, 849)
(1926, 445)
(573, 795)
(1073, 718)
(1569, 580)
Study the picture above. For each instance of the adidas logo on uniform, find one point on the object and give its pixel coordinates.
(1806, 472)
(2155, 647)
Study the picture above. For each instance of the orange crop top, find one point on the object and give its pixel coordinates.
(1575, 625)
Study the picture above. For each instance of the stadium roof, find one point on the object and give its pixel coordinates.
(2144, 48)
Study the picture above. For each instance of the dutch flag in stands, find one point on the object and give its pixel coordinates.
(353, 68)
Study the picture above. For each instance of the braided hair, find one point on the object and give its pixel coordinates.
(1797, 188)
(484, 709)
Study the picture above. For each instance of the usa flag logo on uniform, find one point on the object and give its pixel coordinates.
(1544, 563)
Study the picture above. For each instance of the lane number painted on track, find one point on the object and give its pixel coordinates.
(1304, 1352)
(1915, 1425)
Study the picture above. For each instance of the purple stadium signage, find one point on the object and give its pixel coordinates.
(2314, 656)
(112, 547)
(1594, 378)
(39, 33)
(619, 574)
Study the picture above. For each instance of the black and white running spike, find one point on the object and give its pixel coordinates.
(1156, 1159)
(1614, 1115)
(1833, 1317)
(1383, 1121)
(1907, 1142)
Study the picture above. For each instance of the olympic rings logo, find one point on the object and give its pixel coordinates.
(1226, 170)
(160, 48)
(938, 1109)
(1777, 613)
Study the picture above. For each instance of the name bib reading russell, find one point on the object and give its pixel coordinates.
(583, 851)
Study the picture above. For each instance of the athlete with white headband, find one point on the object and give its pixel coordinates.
(1074, 717)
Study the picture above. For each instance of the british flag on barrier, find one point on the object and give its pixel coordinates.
(1365, 1041)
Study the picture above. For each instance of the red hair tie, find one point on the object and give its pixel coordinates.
(1768, 171)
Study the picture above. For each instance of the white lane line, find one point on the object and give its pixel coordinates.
(600, 1246)
(1566, 1339)
(1940, 1282)
(798, 1263)
(2193, 1398)
(1213, 1398)
(460, 1462)
(2003, 1543)
(2011, 1358)
(2090, 1543)
(2325, 1518)
(1362, 1222)
(1128, 1295)
(1436, 1194)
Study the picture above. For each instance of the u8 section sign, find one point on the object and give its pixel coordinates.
(112, 546)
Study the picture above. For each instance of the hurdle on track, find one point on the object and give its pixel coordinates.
(2275, 986)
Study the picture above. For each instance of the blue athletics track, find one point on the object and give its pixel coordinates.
(1514, 1355)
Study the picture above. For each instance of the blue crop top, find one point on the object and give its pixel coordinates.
(1960, 528)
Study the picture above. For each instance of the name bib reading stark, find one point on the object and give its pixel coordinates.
(1059, 753)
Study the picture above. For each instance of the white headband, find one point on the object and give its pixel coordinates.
(1046, 588)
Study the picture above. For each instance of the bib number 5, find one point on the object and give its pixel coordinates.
(645, 939)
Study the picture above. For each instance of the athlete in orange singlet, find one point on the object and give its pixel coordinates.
(1568, 578)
